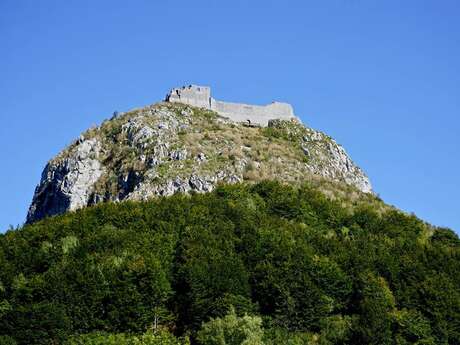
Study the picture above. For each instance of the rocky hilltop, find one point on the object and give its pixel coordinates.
(171, 147)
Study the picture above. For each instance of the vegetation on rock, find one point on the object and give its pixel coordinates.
(167, 148)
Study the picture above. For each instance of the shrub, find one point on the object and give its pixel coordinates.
(232, 330)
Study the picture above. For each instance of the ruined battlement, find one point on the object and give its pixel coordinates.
(200, 96)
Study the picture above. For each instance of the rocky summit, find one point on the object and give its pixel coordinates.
(174, 146)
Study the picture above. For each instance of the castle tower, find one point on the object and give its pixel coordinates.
(197, 96)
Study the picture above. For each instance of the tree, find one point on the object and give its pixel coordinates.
(377, 306)
(232, 330)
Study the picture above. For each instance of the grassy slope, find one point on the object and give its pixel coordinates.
(253, 153)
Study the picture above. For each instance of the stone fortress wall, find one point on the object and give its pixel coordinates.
(200, 96)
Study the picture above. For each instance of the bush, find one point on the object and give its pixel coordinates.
(232, 330)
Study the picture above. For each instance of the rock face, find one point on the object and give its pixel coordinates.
(66, 182)
(168, 148)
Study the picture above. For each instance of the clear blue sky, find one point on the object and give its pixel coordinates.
(381, 77)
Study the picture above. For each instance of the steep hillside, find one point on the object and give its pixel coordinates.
(304, 268)
(170, 147)
(261, 232)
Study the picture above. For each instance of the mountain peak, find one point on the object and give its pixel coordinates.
(184, 145)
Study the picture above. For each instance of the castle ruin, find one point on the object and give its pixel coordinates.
(200, 96)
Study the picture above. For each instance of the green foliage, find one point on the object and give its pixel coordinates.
(314, 271)
(276, 336)
(283, 129)
(39, 323)
(412, 328)
(376, 307)
(335, 329)
(68, 243)
(232, 330)
(7, 340)
(149, 338)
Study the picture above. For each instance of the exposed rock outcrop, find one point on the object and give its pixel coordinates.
(168, 148)
(67, 181)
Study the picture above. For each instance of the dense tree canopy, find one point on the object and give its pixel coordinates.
(293, 265)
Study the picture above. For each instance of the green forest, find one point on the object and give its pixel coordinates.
(266, 263)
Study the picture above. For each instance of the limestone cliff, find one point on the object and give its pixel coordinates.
(171, 147)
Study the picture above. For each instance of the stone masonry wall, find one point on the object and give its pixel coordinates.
(200, 96)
